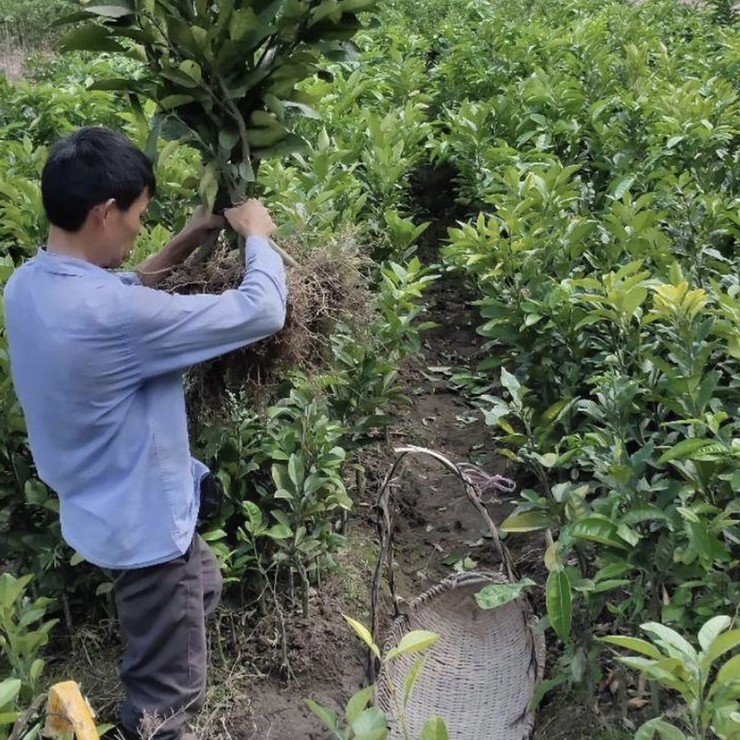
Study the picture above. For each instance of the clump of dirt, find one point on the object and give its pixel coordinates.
(328, 285)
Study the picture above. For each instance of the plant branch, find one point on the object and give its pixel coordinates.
(22, 722)
(238, 118)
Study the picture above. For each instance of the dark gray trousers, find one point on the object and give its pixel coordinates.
(162, 611)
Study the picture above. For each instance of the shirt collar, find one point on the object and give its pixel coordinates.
(62, 264)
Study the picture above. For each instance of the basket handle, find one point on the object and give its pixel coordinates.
(475, 481)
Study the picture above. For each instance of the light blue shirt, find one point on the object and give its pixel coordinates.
(97, 362)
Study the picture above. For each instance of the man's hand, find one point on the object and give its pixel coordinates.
(195, 232)
(250, 219)
(199, 228)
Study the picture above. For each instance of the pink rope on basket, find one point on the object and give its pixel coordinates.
(483, 481)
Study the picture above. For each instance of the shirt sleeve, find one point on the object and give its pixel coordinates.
(128, 278)
(171, 332)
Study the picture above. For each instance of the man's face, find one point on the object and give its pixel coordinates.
(120, 229)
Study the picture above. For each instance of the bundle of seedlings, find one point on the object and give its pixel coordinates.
(325, 286)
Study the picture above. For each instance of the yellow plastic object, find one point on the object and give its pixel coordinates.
(68, 711)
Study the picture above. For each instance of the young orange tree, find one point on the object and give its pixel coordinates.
(223, 73)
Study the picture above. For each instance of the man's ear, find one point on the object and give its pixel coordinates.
(102, 211)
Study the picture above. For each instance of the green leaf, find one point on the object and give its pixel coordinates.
(623, 186)
(411, 677)
(713, 629)
(434, 729)
(296, 471)
(357, 6)
(290, 144)
(597, 529)
(510, 382)
(305, 110)
(227, 140)
(36, 669)
(254, 516)
(262, 138)
(112, 84)
(192, 70)
(208, 188)
(635, 644)
(11, 589)
(729, 672)
(90, 38)
(412, 642)
(328, 717)
(369, 723)
(275, 105)
(357, 704)
(35, 492)
(381, 733)
(363, 633)
(263, 119)
(75, 17)
(685, 448)
(559, 602)
(673, 644)
(110, 8)
(246, 28)
(668, 671)
(659, 728)
(528, 521)
(498, 594)
(214, 535)
(723, 644)
(173, 101)
(279, 532)
(280, 476)
(326, 9)
(9, 690)
(633, 299)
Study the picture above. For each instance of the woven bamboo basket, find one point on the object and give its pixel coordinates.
(481, 673)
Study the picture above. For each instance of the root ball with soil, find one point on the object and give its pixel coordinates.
(327, 285)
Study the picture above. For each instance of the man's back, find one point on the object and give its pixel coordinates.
(112, 443)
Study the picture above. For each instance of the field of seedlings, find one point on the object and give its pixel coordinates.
(514, 239)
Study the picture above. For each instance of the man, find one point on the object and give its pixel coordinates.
(97, 360)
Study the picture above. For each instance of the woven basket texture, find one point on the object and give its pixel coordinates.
(479, 676)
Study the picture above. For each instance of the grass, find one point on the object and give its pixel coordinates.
(13, 53)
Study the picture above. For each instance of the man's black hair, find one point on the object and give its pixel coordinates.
(89, 167)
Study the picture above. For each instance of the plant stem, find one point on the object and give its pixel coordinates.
(22, 722)
(239, 119)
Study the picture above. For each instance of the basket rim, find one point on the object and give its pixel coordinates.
(459, 580)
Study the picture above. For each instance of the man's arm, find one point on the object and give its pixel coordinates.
(172, 332)
(199, 228)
